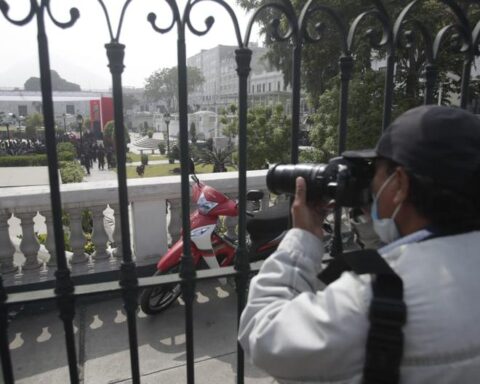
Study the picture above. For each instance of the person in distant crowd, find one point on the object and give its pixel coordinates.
(109, 154)
(407, 313)
(101, 157)
(94, 152)
(85, 159)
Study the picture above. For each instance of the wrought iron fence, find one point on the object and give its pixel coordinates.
(287, 25)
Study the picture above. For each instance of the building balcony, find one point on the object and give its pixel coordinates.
(155, 221)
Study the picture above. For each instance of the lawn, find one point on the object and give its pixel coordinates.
(164, 170)
(136, 157)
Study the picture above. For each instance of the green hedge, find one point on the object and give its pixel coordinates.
(71, 172)
(65, 156)
(66, 147)
(23, 161)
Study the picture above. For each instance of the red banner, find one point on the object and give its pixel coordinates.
(106, 110)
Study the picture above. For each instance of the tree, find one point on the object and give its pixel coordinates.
(320, 68)
(109, 134)
(163, 84)
(268, 131)
(129, 101)
(229, 121)
(209, 143)
(219, 158)
(268, 136)
(33, 122)
(364, 118)
(193, 133)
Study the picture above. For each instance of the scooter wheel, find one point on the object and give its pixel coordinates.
(156, 299)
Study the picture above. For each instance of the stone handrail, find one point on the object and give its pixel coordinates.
(25, 212)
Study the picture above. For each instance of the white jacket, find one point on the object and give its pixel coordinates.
(298, 331)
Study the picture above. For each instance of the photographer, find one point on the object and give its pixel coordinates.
(426, 208)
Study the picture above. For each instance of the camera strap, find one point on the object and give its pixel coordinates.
(387, 313)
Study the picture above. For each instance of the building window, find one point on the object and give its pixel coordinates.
(263, 87)
(269, 87)
(259, 88)
(253, 88)
(70, 109)
(278, 86)
(22, 110)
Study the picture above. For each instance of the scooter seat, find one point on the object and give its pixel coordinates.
(269, 222)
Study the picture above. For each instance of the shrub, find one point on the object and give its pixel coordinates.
(150, 134)
(66, 147)
(144, 159)
(24, 161)
(71, 172)
(65, 156)
(89, 247)
(162, 148)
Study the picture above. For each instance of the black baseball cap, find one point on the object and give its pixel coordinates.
(439, 142)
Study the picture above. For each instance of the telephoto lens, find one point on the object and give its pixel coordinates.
(345, 180)
(281, 179)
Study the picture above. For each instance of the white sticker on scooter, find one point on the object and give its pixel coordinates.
(202, 237)
(205, 206)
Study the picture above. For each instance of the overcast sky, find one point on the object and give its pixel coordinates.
(78, 53)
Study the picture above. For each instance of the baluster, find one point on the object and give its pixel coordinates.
(29, 244)
(117, 233)
(7, 250)
(174, 227)
(50, 243)
(99, 235)
(77, 239)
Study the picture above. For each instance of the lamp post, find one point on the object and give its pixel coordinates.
(166, 118)
(80, 128)
(64, 123)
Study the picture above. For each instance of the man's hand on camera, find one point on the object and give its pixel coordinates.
(308, 216)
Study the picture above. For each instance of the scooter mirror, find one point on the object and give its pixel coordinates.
(255, 194)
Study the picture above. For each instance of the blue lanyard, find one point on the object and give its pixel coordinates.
(412, 238)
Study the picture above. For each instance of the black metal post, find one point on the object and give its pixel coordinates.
(388, 96)
(8, 130)
(296, 86)
(346, 68)
(128, 278)
(64, 288)
(187, 268)
(243, 57)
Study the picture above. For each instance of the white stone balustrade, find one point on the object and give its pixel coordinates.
(150, 226)
(77, 239)
(7, 249)
(29, 244)
(99, 236)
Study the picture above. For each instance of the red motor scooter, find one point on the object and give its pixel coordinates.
(211, 248)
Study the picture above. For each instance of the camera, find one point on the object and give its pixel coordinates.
(346, 180)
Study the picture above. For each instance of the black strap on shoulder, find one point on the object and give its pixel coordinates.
(387, 314)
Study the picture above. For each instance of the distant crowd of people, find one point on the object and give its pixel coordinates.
(93, 152)
(21, 146)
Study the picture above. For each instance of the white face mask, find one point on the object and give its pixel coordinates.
(386, 229)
